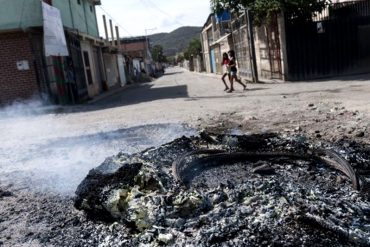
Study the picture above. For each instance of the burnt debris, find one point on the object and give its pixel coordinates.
(225, 190)
(4, 193)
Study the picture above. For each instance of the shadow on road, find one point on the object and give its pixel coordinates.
(173, 73)
(257, 89)
(344, 78)
(313, 91)
(235, 94)
(136, 95)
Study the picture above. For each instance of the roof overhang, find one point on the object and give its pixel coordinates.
(96, 2)
(84, 36)
(206, 28)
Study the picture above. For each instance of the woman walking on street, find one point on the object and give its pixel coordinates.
(233, 72)
(225, 67)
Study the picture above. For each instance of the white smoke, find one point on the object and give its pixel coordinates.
(31, 107)
(38, 152)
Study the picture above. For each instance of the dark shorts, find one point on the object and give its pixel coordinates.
(233, 73)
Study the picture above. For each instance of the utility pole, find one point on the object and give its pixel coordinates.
(146, 38)
(118, 38)
(105, 28)
(252, 49)
(111, 31)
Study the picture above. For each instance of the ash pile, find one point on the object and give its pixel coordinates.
(224, 190)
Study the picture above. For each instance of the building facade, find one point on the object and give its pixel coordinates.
(72, 79)
(216, 39)
(334, 43)
(138, 55)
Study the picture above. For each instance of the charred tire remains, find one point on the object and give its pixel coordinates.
(224, 190)
(209, 157)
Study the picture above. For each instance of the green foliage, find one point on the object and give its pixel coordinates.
(194, 48)
(171, 60)
(186, 55)
(180, 58)
(157, 54)
(264, 9)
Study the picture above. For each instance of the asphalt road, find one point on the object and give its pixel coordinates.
(46, 151)
(53, 149)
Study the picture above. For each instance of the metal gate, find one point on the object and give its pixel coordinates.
(76, 78)
(241, 45)
(273, 44)
(335, 42)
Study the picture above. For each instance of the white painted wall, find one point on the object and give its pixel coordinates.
(92, 89)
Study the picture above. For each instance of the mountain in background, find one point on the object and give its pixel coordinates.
(175, 41)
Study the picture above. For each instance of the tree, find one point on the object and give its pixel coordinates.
(157, 54)
(194, 48)
(264, 9)
(180, 58)
(171, 60)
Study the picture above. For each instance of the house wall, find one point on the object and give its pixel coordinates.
(136, 64)
(17, 14)
(198, 64)
(135, 46)
(22, 14)
(121, 69)
(16, 84)
(262, 53)
(78, 16)
(110, 61)
(135, 49)
(93, 89)
(207, 36)
(225, 46)
(216, 49)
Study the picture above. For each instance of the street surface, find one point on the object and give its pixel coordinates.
(51, 149)
(63, 144)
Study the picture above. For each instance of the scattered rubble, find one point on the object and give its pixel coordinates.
(4, 193)
(224, 201)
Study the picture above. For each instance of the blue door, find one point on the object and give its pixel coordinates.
(213, 61)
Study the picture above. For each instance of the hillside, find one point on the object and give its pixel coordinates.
(175, 41)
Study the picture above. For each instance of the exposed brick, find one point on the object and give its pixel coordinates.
(15, 84)
(134, 48)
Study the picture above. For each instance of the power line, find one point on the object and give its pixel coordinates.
(124, 29)
(154, 6)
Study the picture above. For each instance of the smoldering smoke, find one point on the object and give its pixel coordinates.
(40, 151)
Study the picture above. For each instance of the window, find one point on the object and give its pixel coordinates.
(91, 9)
(79, 2)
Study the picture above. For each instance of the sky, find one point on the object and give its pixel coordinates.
(140, 17)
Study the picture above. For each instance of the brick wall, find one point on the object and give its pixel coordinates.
(14, 83)
(134, 46)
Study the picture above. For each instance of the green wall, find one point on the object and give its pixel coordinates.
(20, 14)
(16, 14)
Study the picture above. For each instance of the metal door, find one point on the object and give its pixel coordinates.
(273, 43)
(213, 61)
(121, 69)
(77, 67)
(334, 43)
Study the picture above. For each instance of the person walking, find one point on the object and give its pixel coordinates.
(225, 67)
(233, 72)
